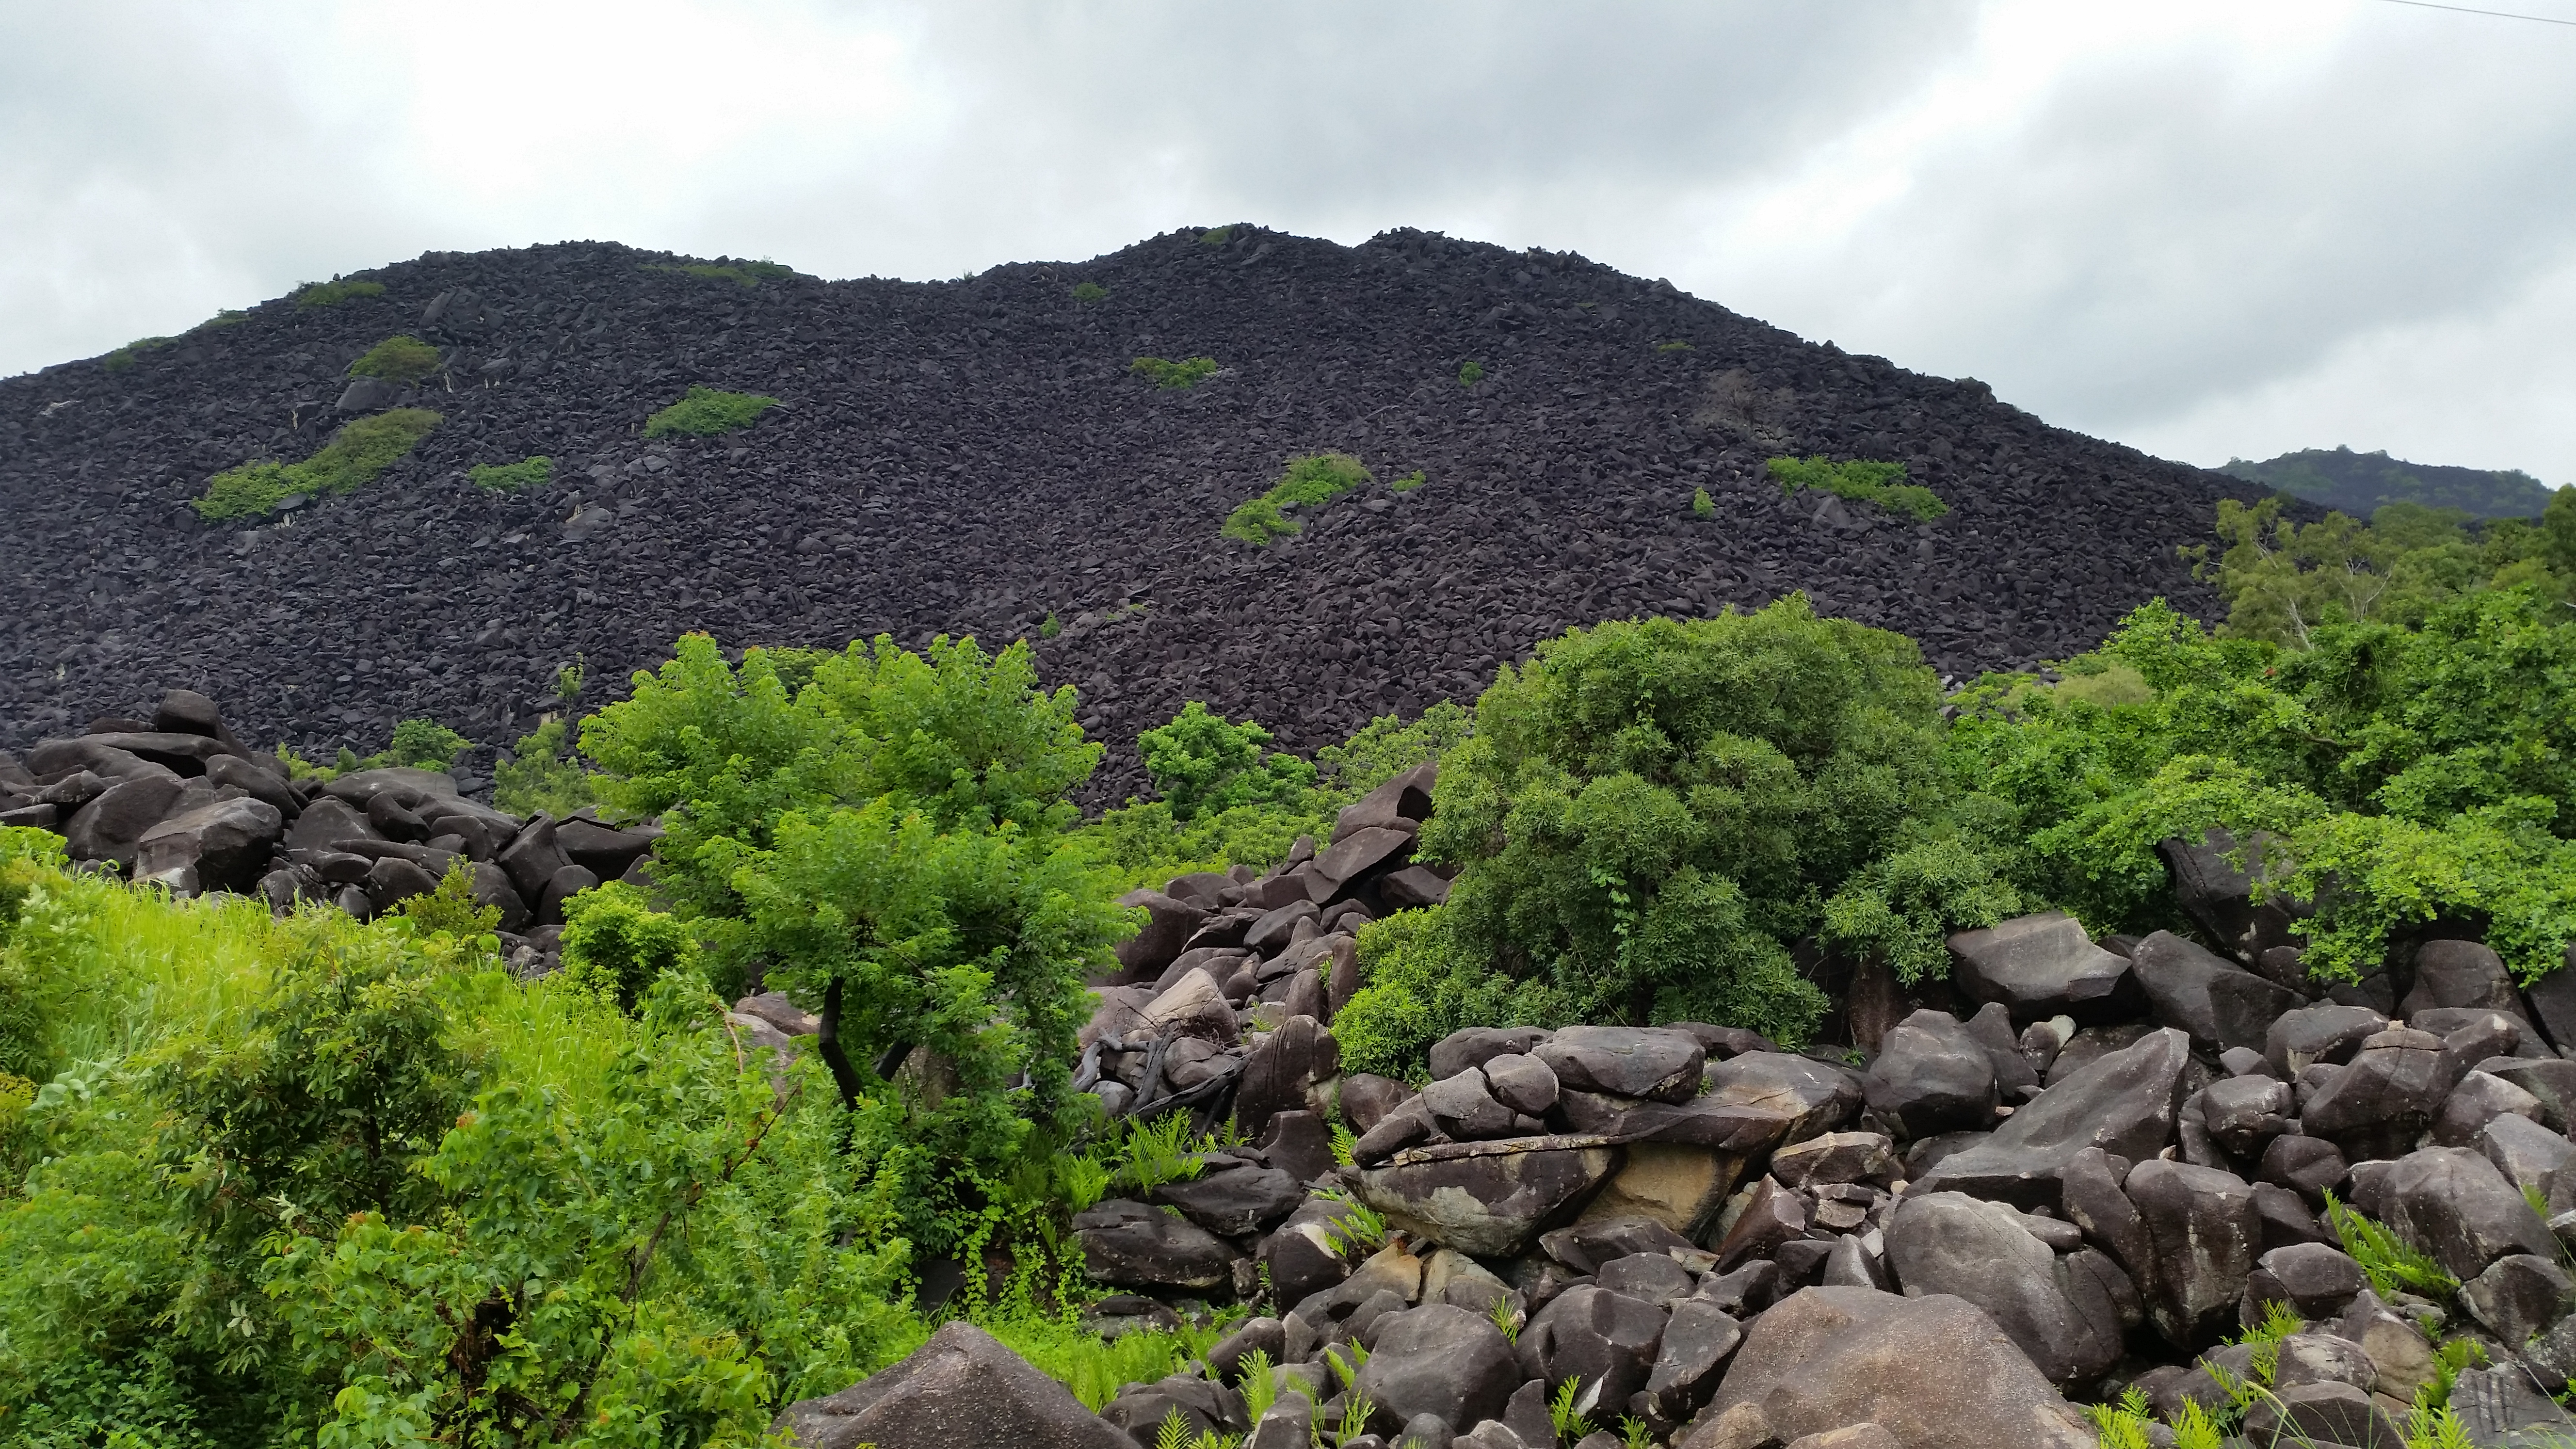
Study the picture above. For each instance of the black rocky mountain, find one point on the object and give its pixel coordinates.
(971, 456)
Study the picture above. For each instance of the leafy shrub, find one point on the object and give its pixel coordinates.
(425, 744)
(1702, 505)
(1203, 764)
(1649, 811)
(2282, 579)
(1470, 373)
(356, 454)
(615, 943)
(450, 910)
(1861, 482)
(1217, 236)
(124, 358)
(533, 472)
(741, 274)
(334, 292)
(1408, 482)
(1163, 372)
(706, 412)
(1312, 480)
(542, 775)
(1421, 985)
(1089, 292)
(1673, 345)
(401, 360)
(1049, 627)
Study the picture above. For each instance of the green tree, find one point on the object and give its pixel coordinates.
(1203, 764)
(1649, 811)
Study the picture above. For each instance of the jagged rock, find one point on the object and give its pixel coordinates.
(112, 825)
(2041, 966)
(962, 1387)
(2385, 1099)
(2317, 1281)
(2478, 1100)
(1945, 1242)
(1652, 1063)
(2219, 1004)
(1131, 1245)
(2455, 1206)
(2326, 1032)
(2550, 1081)
(1491, 1199)
(2460, 974)
(2532, 1158)
(1283, 1070)
(2123, 1103)
(2518, 1296)
(223, 846)
(1168, 925)
(1811, 1096)
(1236, 1202)
(1935, 1371)
(1301, 1257)
(1772, 1216)
(1931, 1076)
(1697, 1340)
(1438, 1360)
(1609, 1339)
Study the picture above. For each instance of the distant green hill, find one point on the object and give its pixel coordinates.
(2359, 482)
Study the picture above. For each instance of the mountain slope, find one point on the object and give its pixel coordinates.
(2357, 483)
(975, 455)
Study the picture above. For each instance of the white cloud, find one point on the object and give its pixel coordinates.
(2203, 228)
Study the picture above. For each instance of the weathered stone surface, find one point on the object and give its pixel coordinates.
(1609, 1339)
(1648, 1062)
(1477, 1045)
(1465, 1108)
(1771, 1217)
(2041, 966)
(1169, 924)
(1680, 1186)
(1935, 1371)
(2518, 1296)
(2316, 1280)
(1945, 1242)
(1204, 1407)
(223, 846)
(1812, 1097)
(1526, 1084)
(1931, 1076)
(1282, 1070)
(2460, 974)
(2123, 1103)
(2332, 1412)
(2221, 1005)
(2455, 1206)
(1439, 1360)
(1697, 1340)
(2244, 1114)
(1366, 1098)
(2385, 1099)
(2322, 1358)
(1236, 1202)
(1194, 1006)
(1363, 850)
(1301, 1255)
(2532, 1157)
(114, 822)
(2326, 1032)
(1488, 1199)
(1132, 1245)
(962, 1387)
(2205, 1237)
(1837, 1157)
(2478, 1100)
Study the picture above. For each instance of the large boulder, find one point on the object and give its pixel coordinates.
(962, 1387)
(2326, 1032)
(1134, 1246)
(1438, 1360)
(1476, 1045)
(1934, 1371)
(1931, 1076)
(2460, 974)
(114, 823)
(1282, 1072)
(2196, 991)
(2384, 1099)
(1235, 1202)
(2452, 1204)
(223, 846)
(1169, 924)
(1607, 1339)
(1812, 1097)
(2219, 894)
(2042, 966)
(1650, 1062)
(2205, 1235)
(1946, 1242)
(1488, 1199)
(2122, 1102)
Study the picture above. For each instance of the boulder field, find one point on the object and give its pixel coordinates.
(974, 456)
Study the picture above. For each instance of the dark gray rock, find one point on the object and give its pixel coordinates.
(2476, 1101)
(393, 880)
(1446, 1362)
(2330, 1412)
(2123, 1103)
(1697, 1340)
(1811, 1096)
(2455, 1206)
(2550, 1081)
(1131, 1245)
(2460, 974)
(2532, 1158)
(2244, 1114)
(1525, 1084)
(2206, 1237)
(1489, 1199)
(2317, 1281)
(1302, 1257)
(223, 846)
(1945, 1242)
(1236, 1202)
(1367, 1098)
(532, 859)
(1464, 1107)
(2326, 1032)
(1648, 1062)
(1654, 1277)
(1477, 1045)
(2518, 1296)
(1931, 1076)
(1838, 1157)
(1168, 926)
(2384, 1100)
(2219, 1004)
(1204, 1407)
(1609, 1339)
(112, 825)
(1283, 1070)
(962, 1387)
(2042, 966)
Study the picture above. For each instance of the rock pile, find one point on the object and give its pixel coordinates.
(180, 802)
(974, 456)
(2102, 1164)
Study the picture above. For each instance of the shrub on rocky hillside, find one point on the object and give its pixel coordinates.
(1882, 484)
(354, 457)
(1163, 372)
(401, 360)
(334, 292)
(706, 412)
(1203, 764)
(1310, 482)
(510, 477)
(542, 775)
(741, 274)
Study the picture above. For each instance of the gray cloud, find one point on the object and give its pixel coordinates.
(2201, 229)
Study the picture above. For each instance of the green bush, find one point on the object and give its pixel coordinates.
(1470, 373)
(706, 412)
(541, 776)
(533, 472)
(334, 292)
(1163, 372)
(356, 454)
(124, 358)
(1702, 505)
(398, 360)
(1879, 483)
(1421, 985)
(741, 274)
(2283, 579)
(1203, 764)
(1311, 481)
(1217, 236)
(1674, 345)
(1408, 482)
(615, 943)
(425, 744)
(1650, 811)
(1088, 292)
(1049, 627)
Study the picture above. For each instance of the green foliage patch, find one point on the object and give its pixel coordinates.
(1470, 373)
(356, 454)
(542, 775)
(1089, 292)
(334, 292)
(741, 274)
(1408, 482)
(1310, 481)
(401, 360)
(1861, 482)
(1702, 506)
(2282, 579)
(706, 412)
(533, 472)
(1163, 372)
(1202, 764)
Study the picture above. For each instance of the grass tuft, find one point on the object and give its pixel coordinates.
(353, 458)
(1409, 481)
(400, 360)
(533, 472)
(1702, 504)
(1470, 373)
(741, 274)
(1861, 482)
(1314, 479)
(334, 292)
(1675, 345)
(1089, 292)
(1217, 236)
(1163, 372)
(707, 411)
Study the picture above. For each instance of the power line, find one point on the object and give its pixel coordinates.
(2465, 10)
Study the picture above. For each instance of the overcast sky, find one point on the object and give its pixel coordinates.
(2204, 229)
